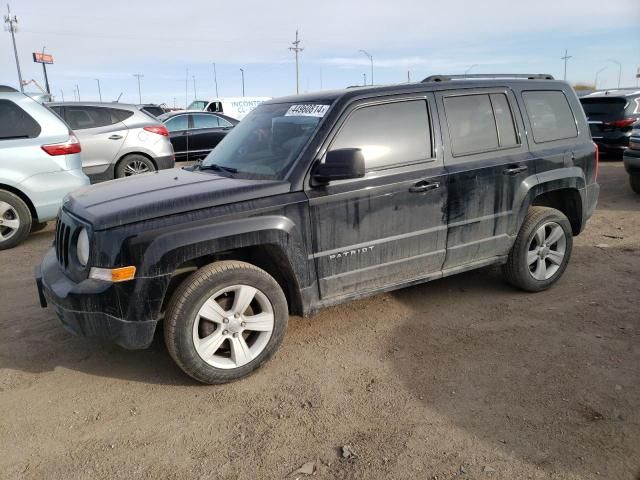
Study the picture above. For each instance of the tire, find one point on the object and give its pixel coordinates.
(634, 181)
(15, 220)
(36, 227)
(134, 165)
(202, 310)
(534, 262)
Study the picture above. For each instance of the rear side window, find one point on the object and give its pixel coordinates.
(181, 122)
(118, 115)
(480, 123)
(388, 134)
(16, 123)
(550, 115)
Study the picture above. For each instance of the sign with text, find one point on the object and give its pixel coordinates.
(40, 57)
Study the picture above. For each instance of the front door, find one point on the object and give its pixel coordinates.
(388, 227)
(487, 162)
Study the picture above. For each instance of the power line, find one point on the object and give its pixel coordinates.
(297, 49)
(11, 22)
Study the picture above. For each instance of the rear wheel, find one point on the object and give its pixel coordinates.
(15, 220)
(634, 181)
(134, 165)
(225, 321)
(541, 251)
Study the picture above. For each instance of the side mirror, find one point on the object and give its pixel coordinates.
(340, 164)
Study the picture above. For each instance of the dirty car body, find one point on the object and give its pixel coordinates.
(435, 198)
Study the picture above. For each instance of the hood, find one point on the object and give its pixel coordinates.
(167, 192)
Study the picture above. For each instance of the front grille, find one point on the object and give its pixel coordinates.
(63, 239)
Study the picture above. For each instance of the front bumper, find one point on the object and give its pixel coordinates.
(126, 313)
(631, 159)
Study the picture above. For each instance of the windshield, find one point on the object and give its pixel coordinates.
(197, 105)
(268, 140)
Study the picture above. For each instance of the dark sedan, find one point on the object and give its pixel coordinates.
(195, 134)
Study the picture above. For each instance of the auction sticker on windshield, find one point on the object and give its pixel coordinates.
(307, 110)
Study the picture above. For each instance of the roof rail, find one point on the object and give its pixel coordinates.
(5, 88)
(475, 76)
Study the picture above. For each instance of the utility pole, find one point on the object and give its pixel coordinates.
(565, 58)
(139, 76)
(619, 70)
(242, 72)
(186, 90)
(11, 25)
(62, 93)
(371, 60)
(99, 91)
(408, 76)
(78, 90)
(195, 95)
(297, 49)
(364, 79)
(215, 78)
(595, 83)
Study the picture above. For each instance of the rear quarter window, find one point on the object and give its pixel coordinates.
(550, 115)
(16, 123)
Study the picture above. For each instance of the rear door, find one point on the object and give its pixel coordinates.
(101, 135)
(207, 131)
(389, 227)
(178, 127)
(487, 162)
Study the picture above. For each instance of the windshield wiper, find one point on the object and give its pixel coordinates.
(218, 168)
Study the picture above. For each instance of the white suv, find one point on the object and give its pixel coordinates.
(39, 165)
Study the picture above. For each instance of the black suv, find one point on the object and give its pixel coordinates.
(611, 114)
(318, 199)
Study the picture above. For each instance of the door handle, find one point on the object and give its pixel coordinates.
(515, 170)
(186, 133)
(424, 186)
(115, 137)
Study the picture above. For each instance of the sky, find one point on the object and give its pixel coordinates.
(174, 44)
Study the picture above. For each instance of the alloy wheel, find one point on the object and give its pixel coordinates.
(233, 326)
(9, 221)
(546, 251)
(135, 167)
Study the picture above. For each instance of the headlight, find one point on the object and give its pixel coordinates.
(82, 247)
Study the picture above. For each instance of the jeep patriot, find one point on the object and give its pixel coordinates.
(318, 199)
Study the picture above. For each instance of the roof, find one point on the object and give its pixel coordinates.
(95, 104)
(615, 92)
(330, 96)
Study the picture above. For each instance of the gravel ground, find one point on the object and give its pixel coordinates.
(462, 377)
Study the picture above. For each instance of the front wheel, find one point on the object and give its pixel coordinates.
(541, 251)
(634, 181)
(225, 321)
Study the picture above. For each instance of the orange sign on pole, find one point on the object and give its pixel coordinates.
(40, 57)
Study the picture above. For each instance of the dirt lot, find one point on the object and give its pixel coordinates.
(463, 377)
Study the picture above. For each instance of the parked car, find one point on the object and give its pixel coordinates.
(153, 109)
(39, 165)
(610, 114)
(194, 134)
(317, 199)
(118, 140)
(631, 158)
(234, 107)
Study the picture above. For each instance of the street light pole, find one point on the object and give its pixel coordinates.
(371, 60)
(195, 95)
(46, 79)
(139, 76)
(595, 83)
(99, 90)
(215, 78)
(11, 25)
(242, 72)
(619, 70)
(78, 90)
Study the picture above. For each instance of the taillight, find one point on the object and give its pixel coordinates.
(70, 146)
(158, 129)
(627, 122)
(597, 161)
